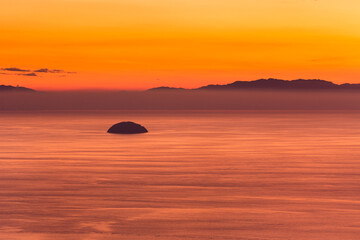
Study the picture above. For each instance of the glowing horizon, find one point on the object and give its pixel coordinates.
(141, 44)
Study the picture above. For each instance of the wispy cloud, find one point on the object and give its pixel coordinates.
(42, 70)
(29, 74)
(15, 69)
(46, 70)
(32, 73)
(328, 59)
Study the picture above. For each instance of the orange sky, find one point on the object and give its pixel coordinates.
(138, 44)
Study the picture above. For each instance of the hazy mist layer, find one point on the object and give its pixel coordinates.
(174, 100)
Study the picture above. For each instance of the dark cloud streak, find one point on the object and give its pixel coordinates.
(46, 70)
(29, 74)
(32, 73)
(42, 70)
(15, 69)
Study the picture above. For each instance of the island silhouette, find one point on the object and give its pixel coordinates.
(9, 88)
(272, 84)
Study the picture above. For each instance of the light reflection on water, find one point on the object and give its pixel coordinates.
(207, 175)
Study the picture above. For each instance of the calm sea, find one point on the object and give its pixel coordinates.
(196, 175)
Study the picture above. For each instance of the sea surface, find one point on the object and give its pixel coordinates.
(199, 175)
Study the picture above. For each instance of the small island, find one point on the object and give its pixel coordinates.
(127, 128)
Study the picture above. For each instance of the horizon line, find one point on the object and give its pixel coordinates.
(106, 89)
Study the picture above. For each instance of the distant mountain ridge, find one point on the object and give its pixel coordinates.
(166, 88)
(274, 84)
(9, 88)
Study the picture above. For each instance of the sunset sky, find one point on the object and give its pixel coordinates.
(138, 44)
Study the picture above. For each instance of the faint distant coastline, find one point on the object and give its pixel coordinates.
(263, 94)
(273, 84)
(9, 88)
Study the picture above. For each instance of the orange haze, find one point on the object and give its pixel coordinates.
(138, 44)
